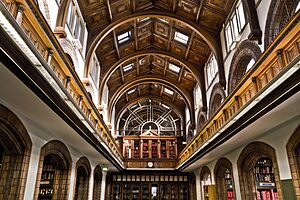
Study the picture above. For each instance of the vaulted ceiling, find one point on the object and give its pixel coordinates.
(154, 49)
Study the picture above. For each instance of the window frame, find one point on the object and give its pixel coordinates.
(235, 14)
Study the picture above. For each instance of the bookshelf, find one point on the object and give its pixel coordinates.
(149, 147)
(116, 191)
(172, 152)
(265, 181)
(229, 185)
(163, 149)
(145, 192)
(154, 149)
(126, 191)
(174, 192)
(183, 192)
(145, 149)
(46, 184)
(164, 192)
(136, 149)
(135, 192)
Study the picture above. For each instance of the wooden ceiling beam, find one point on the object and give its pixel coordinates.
(175, 5)
(173, 97)
(116, 44)
(166, 66)
(136, 44)
(180, 74)
(122, 74)
(137, 64)
(199, 12)
(189, 45)
(109, 11)
(161, 90)
(171, 35)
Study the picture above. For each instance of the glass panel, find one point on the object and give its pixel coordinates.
(241, 14)
(154, 192)
(180, 37)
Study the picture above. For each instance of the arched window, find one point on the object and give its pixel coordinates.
(243, 59)
(279, 14)
(211, 69)
(205, 178)
(216, 98)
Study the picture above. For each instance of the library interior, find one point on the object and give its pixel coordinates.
(150, 99)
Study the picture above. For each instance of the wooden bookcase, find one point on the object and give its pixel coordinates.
(150, 186)
(265, 180)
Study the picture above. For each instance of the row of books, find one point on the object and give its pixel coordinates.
(267, 195)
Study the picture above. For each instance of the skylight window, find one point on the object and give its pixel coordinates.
(128, 67)
(174, 68)
(170, 92)
(131, 91)
(124, 37)
(180, 37)
(134, 106)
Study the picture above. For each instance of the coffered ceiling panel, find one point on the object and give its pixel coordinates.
(183, 50)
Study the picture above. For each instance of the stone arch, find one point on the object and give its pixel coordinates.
(55, 156)
(293, 151)
(246, 51)
(280, 12)
(247, 159)
(97, 183)
(61, 18)
(201, 119)
(15, 150)
(205, 181)
(223, 168)
(83, 171)
(216, 98)
(69, 50)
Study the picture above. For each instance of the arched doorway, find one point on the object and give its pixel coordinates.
(224, 179)
(293, 151)
(83, 171)
(97, 183)
(15, 150)
(53, 180)
(258, 172)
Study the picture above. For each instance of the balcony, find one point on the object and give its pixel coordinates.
(277, 64)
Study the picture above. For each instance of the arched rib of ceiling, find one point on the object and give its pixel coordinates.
(212, 40)
(145, 98)
(196, 72)
(152, 79)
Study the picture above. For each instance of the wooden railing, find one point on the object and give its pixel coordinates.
(280, 53)
(39, 33)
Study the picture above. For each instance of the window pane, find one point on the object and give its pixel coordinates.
(69, 17)
(228, 36)
(241, 14)
(180, 37)
(235, 27)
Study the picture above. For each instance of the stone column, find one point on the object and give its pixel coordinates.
(103, 185)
